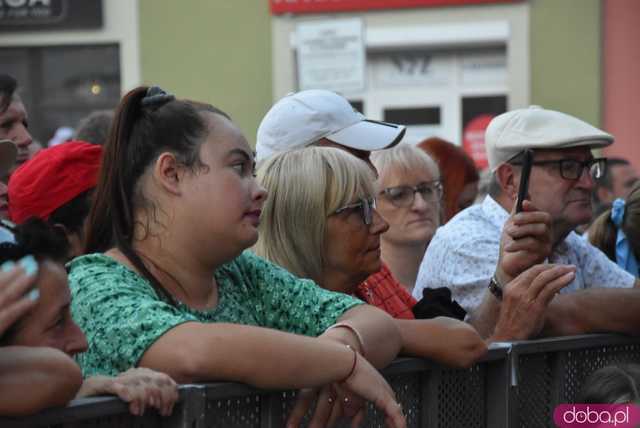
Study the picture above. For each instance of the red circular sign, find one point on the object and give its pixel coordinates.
(473, 139)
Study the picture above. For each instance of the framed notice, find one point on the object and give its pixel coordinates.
(331, 55)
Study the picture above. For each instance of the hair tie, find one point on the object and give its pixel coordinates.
(617, 212)
(625, 258)
(156, 97)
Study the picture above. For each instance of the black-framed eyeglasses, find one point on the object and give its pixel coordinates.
(403, 196)
(366, 207)
(571, 169)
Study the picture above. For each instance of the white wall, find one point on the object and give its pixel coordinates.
(464, 26)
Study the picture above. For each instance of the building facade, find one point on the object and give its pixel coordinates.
(443, 67)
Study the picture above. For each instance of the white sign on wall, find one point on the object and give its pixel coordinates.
(331, 55)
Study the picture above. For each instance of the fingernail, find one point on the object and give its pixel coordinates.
(34, 294)
(29, 264)
(7, 266)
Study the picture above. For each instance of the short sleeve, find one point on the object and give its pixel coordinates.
(119, 312)
(290, 303)
(597, 269)
(464, 265)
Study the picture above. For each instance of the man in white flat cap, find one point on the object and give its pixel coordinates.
(479, 252)
(321, 117)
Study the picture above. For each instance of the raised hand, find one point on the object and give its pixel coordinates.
(15, 298)
(526, 240)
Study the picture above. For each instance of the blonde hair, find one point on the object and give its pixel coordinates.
(406, 157)
(305, 187)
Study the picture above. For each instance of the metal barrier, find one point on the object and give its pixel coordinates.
(517, 384)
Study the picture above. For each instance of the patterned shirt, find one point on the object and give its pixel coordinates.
(463, 256)
(383, 291)
(122, 316)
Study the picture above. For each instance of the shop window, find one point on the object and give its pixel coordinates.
(61, 84)
(357, 104)
(413, 116)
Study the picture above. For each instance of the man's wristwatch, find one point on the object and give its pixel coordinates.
(495, 287)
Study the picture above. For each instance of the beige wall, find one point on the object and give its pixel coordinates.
(210, 50)
(566, 57)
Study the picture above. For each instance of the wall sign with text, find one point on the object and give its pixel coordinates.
(331, 55)
(35, 15)
(322, 6)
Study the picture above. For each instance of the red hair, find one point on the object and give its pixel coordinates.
(456, 171)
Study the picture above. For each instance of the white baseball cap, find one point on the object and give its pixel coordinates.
(536, 128)
(300, 119)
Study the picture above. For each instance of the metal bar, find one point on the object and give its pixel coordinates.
(510, 372)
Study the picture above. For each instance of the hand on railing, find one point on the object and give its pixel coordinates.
(347, 399)
(140, 387)
(525, 300)
(15, 301)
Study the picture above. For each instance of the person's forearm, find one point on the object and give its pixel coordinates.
(485, 316)
(594, 311)
(44, 377)
(265, 358)
(444, 340)
(378, 330)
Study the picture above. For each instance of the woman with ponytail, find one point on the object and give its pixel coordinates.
(617, 231)
(168, 285)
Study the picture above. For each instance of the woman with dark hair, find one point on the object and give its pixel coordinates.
(459, 175)
(168, 285)
(51, 376)
(617, 231)
(56, 186)
(48, 330)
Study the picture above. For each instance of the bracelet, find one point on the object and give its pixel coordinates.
(495, 287)
(353, 366)
(355, 332)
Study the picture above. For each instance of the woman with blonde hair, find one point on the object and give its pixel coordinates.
(168, 285)
(321, 223)
(617, 231)
(410, 200)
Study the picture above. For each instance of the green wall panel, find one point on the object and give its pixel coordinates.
(566, 57)
(217, 51)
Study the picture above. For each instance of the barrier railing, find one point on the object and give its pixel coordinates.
(517, 384)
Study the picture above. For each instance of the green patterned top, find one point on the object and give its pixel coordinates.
(122, 316)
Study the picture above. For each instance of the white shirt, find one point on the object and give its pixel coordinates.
(463, 256)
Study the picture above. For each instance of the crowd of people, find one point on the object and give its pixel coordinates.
(156, 248)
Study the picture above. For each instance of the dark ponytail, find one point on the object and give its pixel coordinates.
(147, 122)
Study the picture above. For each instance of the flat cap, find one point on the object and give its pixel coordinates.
(536, 128)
